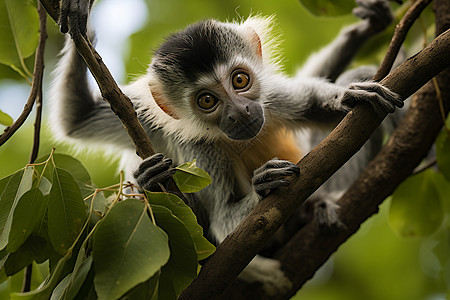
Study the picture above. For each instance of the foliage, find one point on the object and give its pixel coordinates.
(99, 242)
(19, 31)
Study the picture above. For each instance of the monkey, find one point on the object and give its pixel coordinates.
(215, 92)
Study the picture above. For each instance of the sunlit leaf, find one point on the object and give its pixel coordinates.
(60, 288)
(19, 31)
(184, 214)
(443, 153)
(18, 184)
(328, 8)
(416, 208)
(190, 179)
(66, 211)
(5, 119)
(128, 249)
(81, 269)
(182, 267)
(27, 215)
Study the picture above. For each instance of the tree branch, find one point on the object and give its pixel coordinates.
(38, 67)
(316, 167)
(36, 86)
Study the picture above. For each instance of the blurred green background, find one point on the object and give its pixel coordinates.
(373, 264)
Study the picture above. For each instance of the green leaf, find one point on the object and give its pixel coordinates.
(19, 31)
(73, 166)
(191, 179)
(18, 184)
(443, 153)
(76, 169)
(184, 214)
(78, 278)
(81, 269)
(41, 248)
(44, 291)
(68, 163)
(182, 267)
(328, 8)
(145, 290)
(416, 208)
(60, 288)
(18, 260)
(128, 249)
(27, 215)
(66, 211)
(45, 186)
(5, 119)
(4, 182)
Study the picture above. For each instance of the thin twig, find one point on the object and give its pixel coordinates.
(399, 36)
(38, 72)
(35, 87)
(37, 127)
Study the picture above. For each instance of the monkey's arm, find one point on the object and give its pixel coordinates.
(315, 100)
(334, 58)
(76, 112)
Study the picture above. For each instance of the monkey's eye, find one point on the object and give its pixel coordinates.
(206, 101)
(240, 80)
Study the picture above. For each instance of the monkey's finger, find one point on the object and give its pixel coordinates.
(271, 174)
(149, 162)
(153, 171)
(262, 189)
(63, 16)
(150, 183)
(276, 163)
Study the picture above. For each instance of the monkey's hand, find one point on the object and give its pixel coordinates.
(272, 175)
(74, 16)
(153, 170)
(376, 14)
(379, 97)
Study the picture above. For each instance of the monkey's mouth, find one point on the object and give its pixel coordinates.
(241, 131)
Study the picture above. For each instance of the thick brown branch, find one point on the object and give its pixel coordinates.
(316, 167)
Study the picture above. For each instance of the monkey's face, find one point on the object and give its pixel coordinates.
(229, 100)
(209, 75)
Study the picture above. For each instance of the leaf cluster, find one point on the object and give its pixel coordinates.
(100, 243)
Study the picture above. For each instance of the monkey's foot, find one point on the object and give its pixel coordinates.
(266, 271)
(327, 217)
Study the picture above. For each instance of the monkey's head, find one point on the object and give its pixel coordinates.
(211, 75)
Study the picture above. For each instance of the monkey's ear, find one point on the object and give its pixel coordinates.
(254, 40)
(160, 99)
